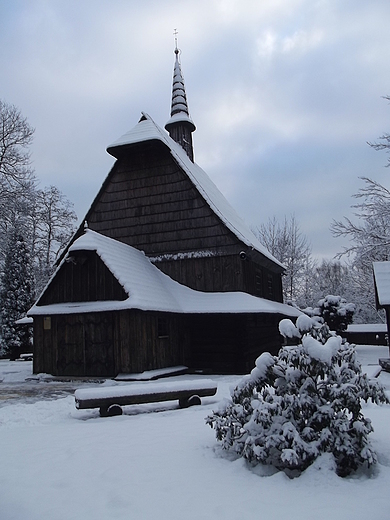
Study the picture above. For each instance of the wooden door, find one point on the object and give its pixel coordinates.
(85, 345)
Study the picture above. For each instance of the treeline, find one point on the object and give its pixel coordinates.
(350, 274)
(35, 226)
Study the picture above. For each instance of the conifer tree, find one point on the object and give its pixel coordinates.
(16, 296)
(305, 401)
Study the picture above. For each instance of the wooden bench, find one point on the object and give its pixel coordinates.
(26, 357)
(111, 399)
(385, 364)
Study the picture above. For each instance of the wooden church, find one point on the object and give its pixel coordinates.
(163, 273)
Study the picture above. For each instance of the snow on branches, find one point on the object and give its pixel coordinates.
(335, 311)
(301, 403)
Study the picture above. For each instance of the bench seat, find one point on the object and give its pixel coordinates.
(110, 399)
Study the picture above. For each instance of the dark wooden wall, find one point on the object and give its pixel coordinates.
(217, 342)
(366, 338)
(231, 343)
(150, 340)
(83, 278)
(148, 202)
(107, 343)
(75, 344)
(262, 335)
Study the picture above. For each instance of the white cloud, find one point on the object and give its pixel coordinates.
(302, 41)
(280, 91)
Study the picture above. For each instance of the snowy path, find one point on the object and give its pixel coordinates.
(63, 464)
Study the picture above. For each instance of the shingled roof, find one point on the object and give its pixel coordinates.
(150, 289)
(148, 130)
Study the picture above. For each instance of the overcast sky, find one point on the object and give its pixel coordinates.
(285, 95)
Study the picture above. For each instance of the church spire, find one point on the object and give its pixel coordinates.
(180, 126)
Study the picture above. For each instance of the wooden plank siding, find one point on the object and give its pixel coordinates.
(217, 342)
(224, 273)
(84, 278)
(231, 343)
(106, 343)
(143, 346)
(262, 335)
(148, 202)
(75, 344)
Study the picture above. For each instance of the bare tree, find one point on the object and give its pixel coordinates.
(16, 136)
(45, 217)
(385, 138)
(369, 241)
(52, 225)
(370, 236)
(17, 180)
(287, 243)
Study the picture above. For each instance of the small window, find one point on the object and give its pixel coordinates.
(258, 283)
(47, 323)
(162, 327)
(270, 286)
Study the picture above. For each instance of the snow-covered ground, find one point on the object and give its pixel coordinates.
(160, 462)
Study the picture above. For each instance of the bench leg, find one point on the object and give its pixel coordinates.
(110, 411)
(189, 401)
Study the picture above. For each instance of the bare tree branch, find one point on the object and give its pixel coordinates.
(386, 138)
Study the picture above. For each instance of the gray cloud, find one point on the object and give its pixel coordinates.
(284, 93)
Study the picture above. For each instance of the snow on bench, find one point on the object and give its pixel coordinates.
(372, 371)
(110, 399)
(25, 357)
(385, 364)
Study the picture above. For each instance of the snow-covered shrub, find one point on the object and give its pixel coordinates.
(336, 312)
(303, 402)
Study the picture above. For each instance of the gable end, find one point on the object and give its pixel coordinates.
(82, 277)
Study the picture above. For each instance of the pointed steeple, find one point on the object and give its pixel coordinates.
(180, 126)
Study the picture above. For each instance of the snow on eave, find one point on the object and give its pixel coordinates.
(150, 289)
(203, 303)
(148, 130)
(145, 130)
(180, 117)
(382, 282)
(367, 327)
(24, 321)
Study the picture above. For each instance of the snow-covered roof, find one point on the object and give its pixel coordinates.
(179, 117)
(148, 288)
(24, 321)
(367, 327)
(382, 282)
(148, 130)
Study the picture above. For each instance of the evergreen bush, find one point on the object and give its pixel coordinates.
(303, 402)
(16, 298)
(336, 312)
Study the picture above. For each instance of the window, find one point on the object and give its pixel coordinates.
(270, 286)
(259, 282)
(162, 327)
(47, 323)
